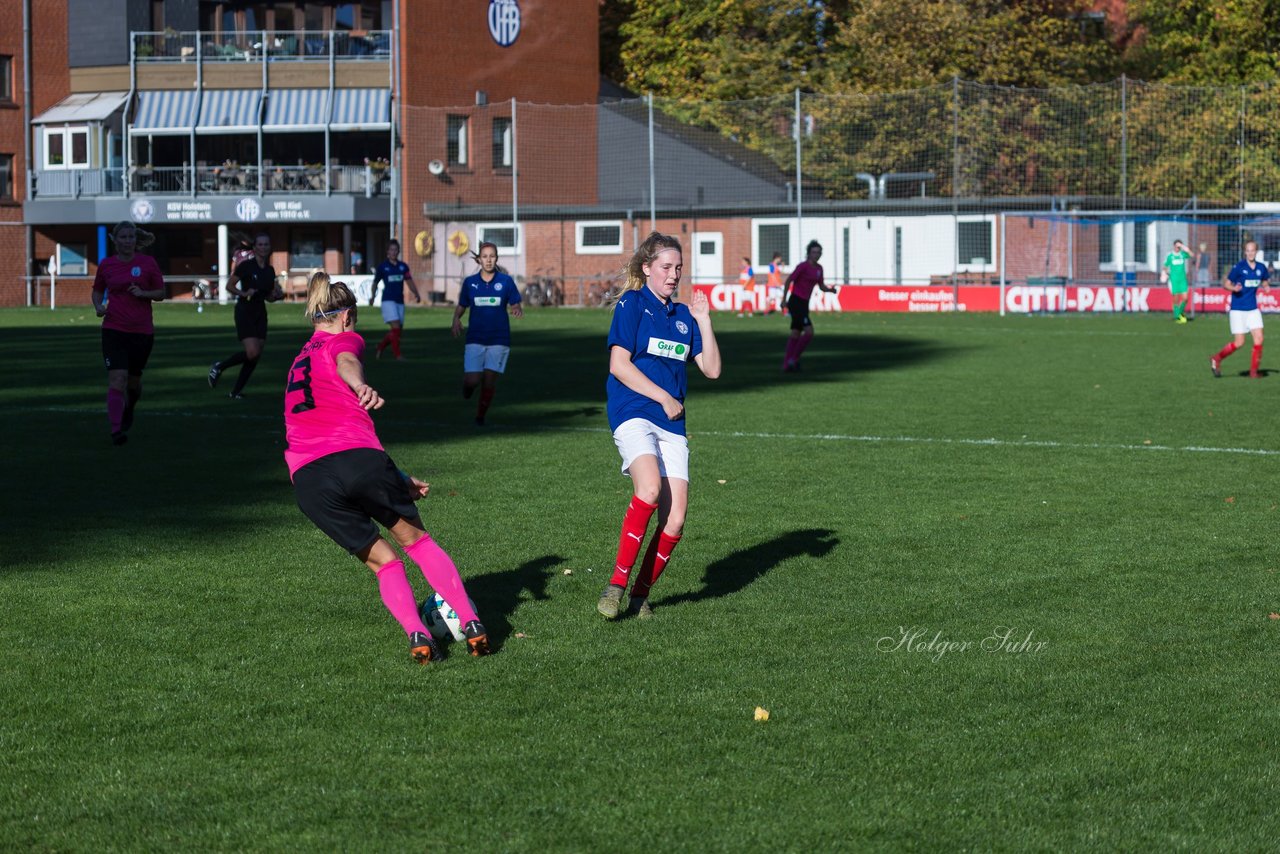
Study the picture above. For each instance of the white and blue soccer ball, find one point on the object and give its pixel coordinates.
(441, 620)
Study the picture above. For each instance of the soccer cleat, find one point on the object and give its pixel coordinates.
(215, 371)
(235, 395)
(610, 600)
(1181, 320)
(640, 608)
(119, 437)
(479, 420)
(1213, 366)
(423, 648)
(477, 638)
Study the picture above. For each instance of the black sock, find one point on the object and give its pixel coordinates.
(132, 395)
(246, 371)
(232, 361)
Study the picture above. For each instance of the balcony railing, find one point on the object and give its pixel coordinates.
(229, 179)
(257, 45)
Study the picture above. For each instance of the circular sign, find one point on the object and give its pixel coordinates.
(142, 210)
(504, 21)
(248, 209)
(424, 244)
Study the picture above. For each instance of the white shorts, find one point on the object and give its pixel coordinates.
(478, 357)
(637, 437)
(1245, 321)
(393, 311)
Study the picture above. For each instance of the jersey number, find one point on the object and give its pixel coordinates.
(302, 384)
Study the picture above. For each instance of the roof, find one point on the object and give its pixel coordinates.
(83, 107)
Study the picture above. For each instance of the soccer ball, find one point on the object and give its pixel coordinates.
(441, 620)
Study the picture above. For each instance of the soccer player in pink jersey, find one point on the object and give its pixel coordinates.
(123, 289)
(343, 479)
(803, 279)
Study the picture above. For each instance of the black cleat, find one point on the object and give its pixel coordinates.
(1213, 366)
(215, 371)
(424, 649)
(119, 437)
(477, 638)
(235, 395)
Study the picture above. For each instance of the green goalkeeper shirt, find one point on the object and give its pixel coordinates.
(1176, 262)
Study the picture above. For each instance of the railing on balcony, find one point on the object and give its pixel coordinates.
(253, 46)
(232, 179)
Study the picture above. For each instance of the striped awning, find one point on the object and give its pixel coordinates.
(165, 111)
(229, 111)
(361, 109)
(296, 110)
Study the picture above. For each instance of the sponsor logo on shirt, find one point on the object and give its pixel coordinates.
(682, 327)
(487, 301)
(668, 349)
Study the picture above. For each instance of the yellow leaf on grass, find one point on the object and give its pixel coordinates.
(762, 714)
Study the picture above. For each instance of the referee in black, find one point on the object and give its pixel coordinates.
(254, 284)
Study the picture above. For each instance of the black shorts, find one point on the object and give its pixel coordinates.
(126, 351)
(799, 311)
(251, 319)
(346, 492)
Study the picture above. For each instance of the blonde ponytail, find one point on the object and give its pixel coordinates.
(325, 297)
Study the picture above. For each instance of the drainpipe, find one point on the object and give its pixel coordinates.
(871, 183)
(26, 133)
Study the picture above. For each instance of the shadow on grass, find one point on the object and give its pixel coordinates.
(735, 571)
(498, 594)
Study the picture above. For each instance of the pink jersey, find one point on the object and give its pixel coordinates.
(804, 277)
(322, 415)
(125, 312)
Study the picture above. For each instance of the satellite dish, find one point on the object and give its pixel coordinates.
(436, 167)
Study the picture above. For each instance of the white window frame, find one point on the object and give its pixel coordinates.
(481, 236)
(969, 266)
(77, 267)
(793, 244)
(65, 134)
(580, 227)
(464, 141)
(1122, 243)
(508, 158)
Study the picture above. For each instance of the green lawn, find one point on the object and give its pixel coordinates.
(189, 664)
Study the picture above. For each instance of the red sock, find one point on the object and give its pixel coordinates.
(385, 342)
(655, 560)
(1227, 351)
(486, 398)
(634, 525)
(394, 335)
(1257, 357)
(115, 408)
(397, 595)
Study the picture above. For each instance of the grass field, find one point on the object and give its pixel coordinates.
(187, 663)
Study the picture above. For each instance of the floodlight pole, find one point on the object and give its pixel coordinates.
(799, 181)
(653, 204)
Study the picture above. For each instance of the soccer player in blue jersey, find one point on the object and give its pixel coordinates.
(394, 275)
(1243, 281)
(488, 294)
(651, 339)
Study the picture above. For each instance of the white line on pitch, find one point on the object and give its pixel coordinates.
(744, 434)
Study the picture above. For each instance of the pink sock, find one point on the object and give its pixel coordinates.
(115, 408)
(803, 345)
(792, 346)
(442, 575)
(397, 595)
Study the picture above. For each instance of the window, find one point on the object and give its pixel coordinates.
(974, 242)
(771, 238)
(306, 249)
(599, 238)
(501, 142)
(456, 140)
(504, 235)
(1140, 244)
(1106, 247)
(6, 177)
(71, 259)
(66, 148)
(6, 79)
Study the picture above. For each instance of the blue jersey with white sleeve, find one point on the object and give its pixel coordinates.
(661, 337)
(392, 276)
(1251, 277)
(488, 301)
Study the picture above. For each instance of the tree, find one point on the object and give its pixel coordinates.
(1219, 43)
